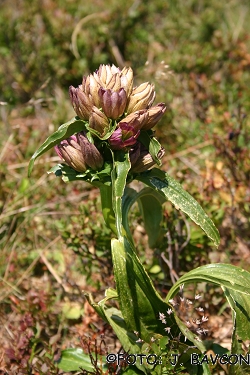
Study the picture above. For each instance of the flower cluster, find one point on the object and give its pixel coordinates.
(116, 111)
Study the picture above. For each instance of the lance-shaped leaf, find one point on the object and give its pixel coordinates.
(139, 301)
(236, 285)
(74, 359)
(119, 175)
(150, 204)
(173, 191)
(65, 131)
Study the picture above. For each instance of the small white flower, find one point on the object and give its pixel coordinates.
(197, 296)
(169, 311)
(162, 316)
(199, 309)
(204, 318)
(167, 329)
(199, 331)
(139, 340)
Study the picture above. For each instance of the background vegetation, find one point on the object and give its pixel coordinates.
(53, 241)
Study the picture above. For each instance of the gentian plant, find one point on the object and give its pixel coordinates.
(109, 144)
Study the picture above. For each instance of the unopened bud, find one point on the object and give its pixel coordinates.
(136, 119)
(92, 156)
(99, 121)
(127, 80)
(70, 151)
(80, 102)
(123, 137)
(141, 97)
(141, 160)
(113, 103)
(91, 85)
(79, 153)
(154, 115)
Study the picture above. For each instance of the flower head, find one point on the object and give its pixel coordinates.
(107, 89)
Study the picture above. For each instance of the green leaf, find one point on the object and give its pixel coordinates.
(150, 204)
(173, 191)
(240, 304)
(139, 301)
(114, 317)
(107, 206)
(65, 131)
(235, 283)
(128, 199)
(119, 178)
(225, 275)
(74, 359)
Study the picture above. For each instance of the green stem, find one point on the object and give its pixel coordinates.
(107, 206)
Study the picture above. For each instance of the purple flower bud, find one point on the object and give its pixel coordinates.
(123, 137)
(113, 103)
(80, 102)
(92, 156)
(70, 151)
(140, 158)
(79, 153)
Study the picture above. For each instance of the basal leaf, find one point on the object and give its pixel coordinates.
(235, 283)
(173, 191)
(150, 204)
(139, 301)
(240, 304)
(74, 359)
(65, 131)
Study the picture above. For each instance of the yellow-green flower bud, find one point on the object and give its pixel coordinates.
(136, 119)
(99, 121)
(142, 97)
(154, 115)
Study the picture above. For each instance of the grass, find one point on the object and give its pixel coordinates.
(52, 238)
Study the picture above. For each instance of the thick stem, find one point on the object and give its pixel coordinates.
(107, 206)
